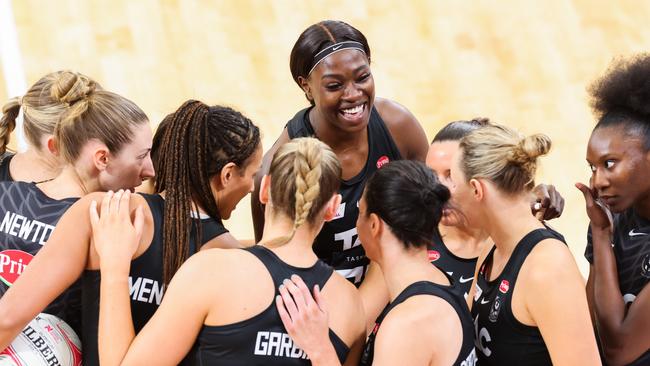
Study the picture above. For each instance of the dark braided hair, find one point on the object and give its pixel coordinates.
(191, 146)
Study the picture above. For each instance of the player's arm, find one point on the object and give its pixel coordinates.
(555, 300)
(257, 208)
(374, 294)
(170, 333)
(63, 258)
(404, 128)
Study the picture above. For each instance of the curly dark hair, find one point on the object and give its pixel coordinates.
(621, 97)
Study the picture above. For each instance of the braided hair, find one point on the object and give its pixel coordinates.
(191, 146)
(305, 173)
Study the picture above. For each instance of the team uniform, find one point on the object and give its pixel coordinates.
(461, 270)
(338, 244)
(452, 295)
(146, 285)
(5, 159)
(631, 245)
(262, 339)
(500, 338)
(28, 219)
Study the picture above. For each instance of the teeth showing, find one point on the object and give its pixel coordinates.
(353, 110)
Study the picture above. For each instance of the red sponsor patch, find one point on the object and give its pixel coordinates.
(504, 286)
(375, 328)
(433, 255)
(382, 161)
(12, 264)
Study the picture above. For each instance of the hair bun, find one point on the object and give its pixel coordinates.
(530, 148)
(71, 87)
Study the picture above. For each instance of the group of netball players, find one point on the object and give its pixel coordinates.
(363, 254)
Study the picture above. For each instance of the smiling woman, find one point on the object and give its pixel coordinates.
(330, 62)
(619, 157)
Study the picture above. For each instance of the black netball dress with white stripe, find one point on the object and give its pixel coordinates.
(631, 241)
(452, 295)
(28, 219)
(5, 159)
(262, 339)
(461, 270)
(338, 243)
(146, 285)
(500, 338)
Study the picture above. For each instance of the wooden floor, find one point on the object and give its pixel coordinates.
(523, 63)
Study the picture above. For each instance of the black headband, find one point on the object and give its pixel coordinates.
(336, 47)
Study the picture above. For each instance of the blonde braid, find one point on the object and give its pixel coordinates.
(307, 169)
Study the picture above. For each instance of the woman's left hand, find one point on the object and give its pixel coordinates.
(598, 212)
(305, 317)
(115, 236)
(547, 202)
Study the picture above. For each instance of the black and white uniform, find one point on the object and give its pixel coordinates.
(262, 339)
(500, 338)
(28, 219)
(5, 159)
(632, 252)
(461, 270)
(338, 244)
(146, 285)
(452, 295)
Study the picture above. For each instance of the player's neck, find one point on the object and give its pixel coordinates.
(402, 268)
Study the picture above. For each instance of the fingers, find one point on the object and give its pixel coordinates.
(304, 290)
(106, 203)
(284, 315)
(320, 300)
(138, 221)
(587, 193)
(297, 294)
(289, 302)
(123, 208)
(94, 216)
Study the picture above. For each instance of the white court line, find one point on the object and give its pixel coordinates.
(12, 63)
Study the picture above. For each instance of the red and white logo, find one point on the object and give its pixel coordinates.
(504, 286)
(12, 264)
(382, 161)
(433, 255)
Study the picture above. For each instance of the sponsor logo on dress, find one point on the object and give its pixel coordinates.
(504, 286)
(465, 280)
(12, 264)
(645, 266)
(433, 255)
(494, 311)
(478, 292)
(636, 233)
(383, 160)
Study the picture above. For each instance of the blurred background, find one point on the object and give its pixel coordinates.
(522, 63)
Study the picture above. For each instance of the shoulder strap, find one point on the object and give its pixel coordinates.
(299, 125)
(526, 245)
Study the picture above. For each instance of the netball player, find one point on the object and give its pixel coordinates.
(105, 141)
(210, 157)
(330, 62)
(618, 247)
(458, 248)
(233, 315)
(41, 112)
(528, 307)
(427, 321)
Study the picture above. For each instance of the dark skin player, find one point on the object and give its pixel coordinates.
(620, 179)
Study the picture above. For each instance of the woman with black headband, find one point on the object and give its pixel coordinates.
(330, 62)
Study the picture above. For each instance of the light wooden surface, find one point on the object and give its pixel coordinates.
(523, 63)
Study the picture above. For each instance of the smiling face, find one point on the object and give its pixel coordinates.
(343, 90)
(620, 167)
